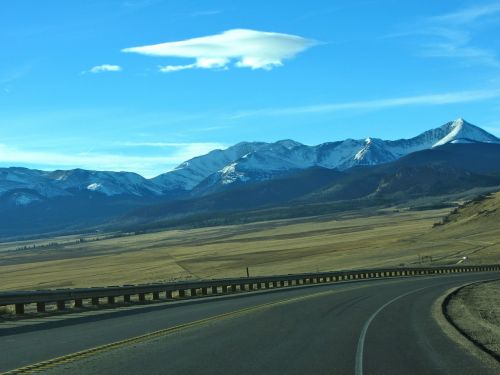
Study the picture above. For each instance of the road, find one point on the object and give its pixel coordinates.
(361, 327)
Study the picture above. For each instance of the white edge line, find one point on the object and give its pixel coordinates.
(358, 366)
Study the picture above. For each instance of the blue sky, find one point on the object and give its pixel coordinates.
(142, 85)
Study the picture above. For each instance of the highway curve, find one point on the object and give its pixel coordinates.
(361, 327)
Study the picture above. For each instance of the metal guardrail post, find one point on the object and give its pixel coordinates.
(61, 296)
(61, 305)
(19, 308)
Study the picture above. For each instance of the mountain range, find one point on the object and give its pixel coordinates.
(454, 156)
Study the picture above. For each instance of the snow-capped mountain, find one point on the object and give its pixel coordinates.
(262, 161)
(108, 183)
(30, 185)
(244, 162)
(250, 175)
(190, 173)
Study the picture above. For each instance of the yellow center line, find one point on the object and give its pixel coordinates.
(45, 365)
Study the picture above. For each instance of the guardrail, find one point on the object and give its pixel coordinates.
(179, 290)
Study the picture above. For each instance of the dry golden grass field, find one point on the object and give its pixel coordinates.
(348, 240)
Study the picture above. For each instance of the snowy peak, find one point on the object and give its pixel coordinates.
(270, 160)
(108, 183)
(190, 173)
(372, 153)
(460, 131)
(245, 162)
(29, 185)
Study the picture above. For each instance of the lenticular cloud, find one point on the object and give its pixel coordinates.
(245, 48)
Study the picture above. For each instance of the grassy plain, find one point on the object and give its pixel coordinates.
(322, 243)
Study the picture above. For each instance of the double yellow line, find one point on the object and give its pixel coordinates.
(45, 365)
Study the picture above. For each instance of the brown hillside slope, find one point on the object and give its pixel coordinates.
(473, 229)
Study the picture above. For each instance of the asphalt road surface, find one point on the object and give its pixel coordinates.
(362, 327)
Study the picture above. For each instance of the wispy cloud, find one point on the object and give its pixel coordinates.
(246, 48)
(148, 166)
(204, 13)
(15, 73)
(105, 68)
(469, 15)
(197, 148)
(405, 101)
(138, 4)
(9, 76)
(452, 35)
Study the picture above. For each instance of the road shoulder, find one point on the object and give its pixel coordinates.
(460, 319)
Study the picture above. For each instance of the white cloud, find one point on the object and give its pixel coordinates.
(246, 48)
(148, 166)
(105, 68)
(405, 101)
(176, 68)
